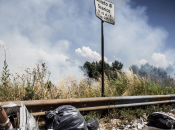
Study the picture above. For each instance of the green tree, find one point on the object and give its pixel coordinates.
(95, 69)
(5, 72)
(91, 68)
(117, 65)
(106, 66)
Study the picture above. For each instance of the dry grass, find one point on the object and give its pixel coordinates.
(35, 85)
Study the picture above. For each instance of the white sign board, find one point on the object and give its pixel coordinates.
(105, 11)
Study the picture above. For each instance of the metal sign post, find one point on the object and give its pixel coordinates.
(104, 10)
(102, 57)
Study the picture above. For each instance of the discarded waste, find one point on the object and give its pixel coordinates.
(19, 117)
(67, 118)
(4, 120)
(50, 115)
(92, 124)
(162, 120)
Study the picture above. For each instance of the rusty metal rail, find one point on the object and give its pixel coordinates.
(38, 107)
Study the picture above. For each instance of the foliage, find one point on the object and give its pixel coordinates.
(94, 69)
(5, 74)
(35, 85)
(107, 120)
(92, 115)
(117, 65)
(130, 114)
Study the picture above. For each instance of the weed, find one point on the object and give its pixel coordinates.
(36, 85)
(92, 115)
(107, 120)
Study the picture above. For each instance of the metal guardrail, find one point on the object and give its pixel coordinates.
(38, 107)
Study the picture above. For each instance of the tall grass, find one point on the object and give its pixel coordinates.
(36, 85)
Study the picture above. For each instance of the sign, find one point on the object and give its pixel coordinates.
(105, 11)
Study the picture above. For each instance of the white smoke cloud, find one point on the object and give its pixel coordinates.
(157, 60)
(142, 61)
(132, 38)
(89, 54)
(55, 61)
(51, 31)
(1, 42)
(160, 60)
(118, 59)
(30, 36)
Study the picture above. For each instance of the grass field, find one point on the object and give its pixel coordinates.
(35, 85)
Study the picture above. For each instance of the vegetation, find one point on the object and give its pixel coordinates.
(92, 115)
(128, 114)
(137, 112)
(94, 69)
(35, 85)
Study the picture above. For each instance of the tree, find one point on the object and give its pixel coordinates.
(91, 68)
(117, 65)
(5, 72)
(94, 69)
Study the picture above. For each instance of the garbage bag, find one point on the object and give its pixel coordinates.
(162, 120)
(68, 118)
(50, 115)
(92, 124)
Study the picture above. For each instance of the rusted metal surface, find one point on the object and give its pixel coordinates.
(78, 100)
(111, 106)
(38, 107)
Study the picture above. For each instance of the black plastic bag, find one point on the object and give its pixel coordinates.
(68, 118)
(50, 115)
(92, 124)
(162, 120)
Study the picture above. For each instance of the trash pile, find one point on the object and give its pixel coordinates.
(117, 124)
(162, 120)
(66, 117)
(156, 119)
(16, 117)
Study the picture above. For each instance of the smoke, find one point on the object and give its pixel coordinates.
(158, 72)
(57, 63)
(171, 70)
(66, 34)
(89, 54)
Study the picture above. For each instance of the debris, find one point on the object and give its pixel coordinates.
(145, 118)
(92, 124)
(4, 120)
(67, 118)
(139, 126)
(118, 124)
(173, 110)
(162, 120)
(19, 116)
(50, 115)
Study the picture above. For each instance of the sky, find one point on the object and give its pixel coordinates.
(65, 34)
